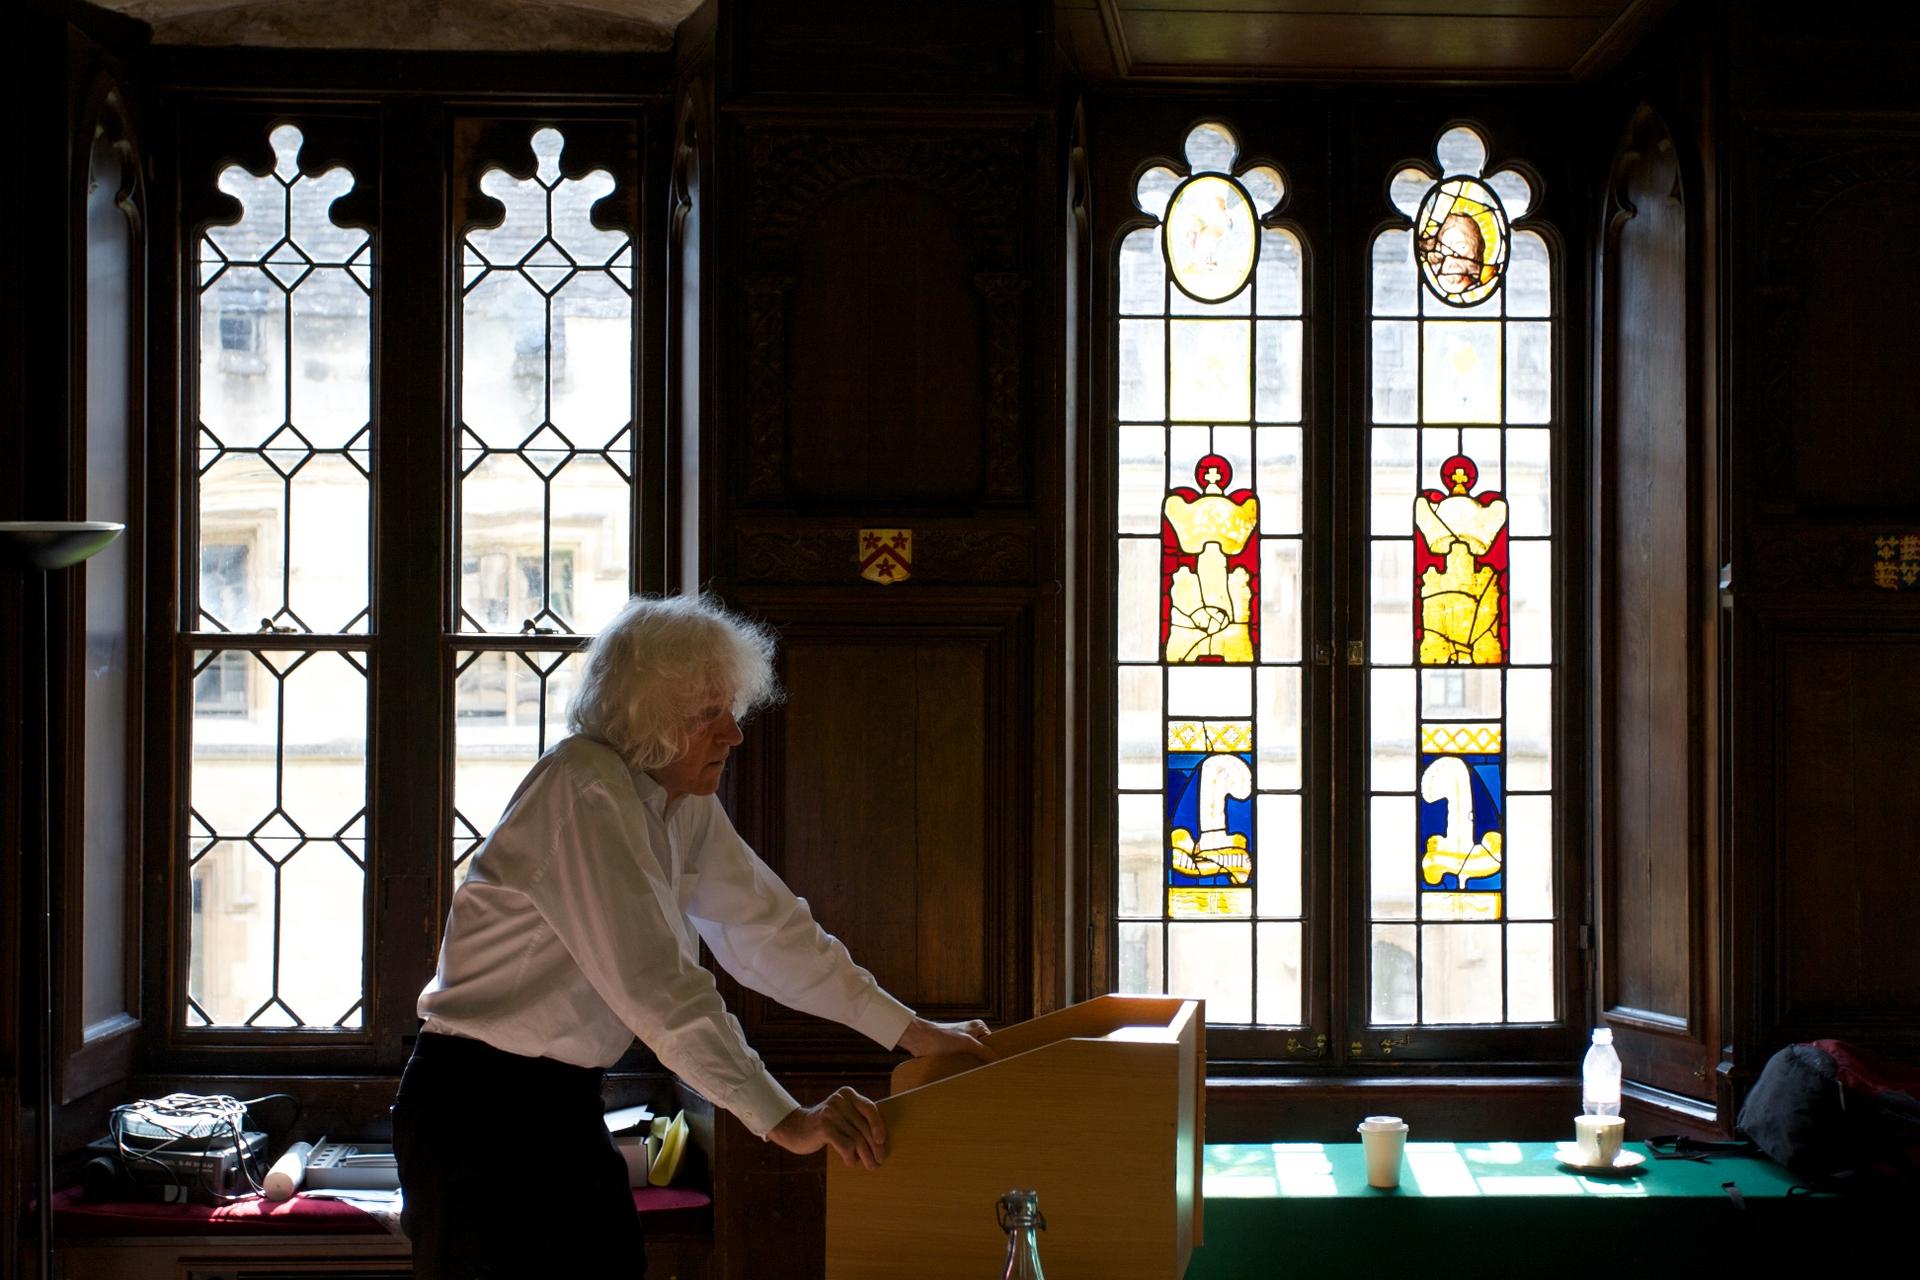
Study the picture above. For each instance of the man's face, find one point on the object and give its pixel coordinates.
(697, 771)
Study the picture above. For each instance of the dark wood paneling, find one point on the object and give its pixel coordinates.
(850, 744)
(1853, 362)
(883, 47)
(1649, 709)
(883, 285)
(824, 551)
(1833, 287)
(890, 792)
(1822, 376)
(951, 713)
(885, 331)
(1848, 814)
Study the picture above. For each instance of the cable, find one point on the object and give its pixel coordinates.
(190, 1121)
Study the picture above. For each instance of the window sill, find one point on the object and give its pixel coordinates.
(1458, 1107)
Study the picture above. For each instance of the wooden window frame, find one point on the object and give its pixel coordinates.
(1332, 207)
(407, 108)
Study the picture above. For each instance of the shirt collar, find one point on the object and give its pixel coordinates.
(652, 794)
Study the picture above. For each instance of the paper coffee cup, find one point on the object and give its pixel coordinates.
(1599, 1137)
(1383, 1139)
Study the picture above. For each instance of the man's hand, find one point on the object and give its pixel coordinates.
(923, 1039)
(847, 1122)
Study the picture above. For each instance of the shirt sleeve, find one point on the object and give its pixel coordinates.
(767, 938)
(600, 887)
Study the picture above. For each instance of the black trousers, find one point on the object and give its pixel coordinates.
(507, 1168)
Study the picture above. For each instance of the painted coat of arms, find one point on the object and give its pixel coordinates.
(886, 555)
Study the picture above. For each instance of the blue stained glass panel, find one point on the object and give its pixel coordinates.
(1478, 781)
(1208, 805)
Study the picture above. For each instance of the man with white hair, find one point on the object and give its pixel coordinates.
(579, 928)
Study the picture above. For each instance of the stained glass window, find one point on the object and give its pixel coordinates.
(1460, 645)
(545, 401)
(278, 611)
(1209, 559)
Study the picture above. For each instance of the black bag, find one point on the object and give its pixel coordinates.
(1837, 1118)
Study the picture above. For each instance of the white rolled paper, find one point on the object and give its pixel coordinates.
(288, 1172)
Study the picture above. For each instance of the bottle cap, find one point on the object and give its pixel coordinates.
(1603, 1035)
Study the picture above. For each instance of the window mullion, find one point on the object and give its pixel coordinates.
(412, 616)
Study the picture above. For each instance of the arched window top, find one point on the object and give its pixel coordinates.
(1211, 216)
(1462, 217)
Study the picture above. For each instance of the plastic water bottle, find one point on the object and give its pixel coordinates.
(1600, 1076)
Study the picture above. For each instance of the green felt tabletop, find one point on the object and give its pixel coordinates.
(1490, 1209)
(1286, 1170)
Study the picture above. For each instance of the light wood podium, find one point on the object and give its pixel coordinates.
(1100, 1107)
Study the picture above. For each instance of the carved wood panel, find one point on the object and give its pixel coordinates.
(885, 313)
(1835, 291)
(890, 791)
(813, 550)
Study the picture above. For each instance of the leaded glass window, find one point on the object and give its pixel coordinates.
(376, 622)
(1460, 690)
(278, 608)
(545, 411)
(1209, 560)
(1430, 880)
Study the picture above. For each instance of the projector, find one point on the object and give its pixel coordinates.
(209, 1170)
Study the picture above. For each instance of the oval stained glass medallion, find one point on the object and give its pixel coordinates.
(1212, 238)
(1461, 240)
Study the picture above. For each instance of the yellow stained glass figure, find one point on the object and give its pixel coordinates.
(1460, 571)
(1210, 569)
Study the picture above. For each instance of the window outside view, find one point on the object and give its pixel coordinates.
(283, 634)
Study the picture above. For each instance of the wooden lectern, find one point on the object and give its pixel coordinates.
(1100, 1107)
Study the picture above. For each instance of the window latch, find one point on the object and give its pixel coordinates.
(1356, 653)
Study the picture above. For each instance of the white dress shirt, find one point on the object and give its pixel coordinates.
(579, 928)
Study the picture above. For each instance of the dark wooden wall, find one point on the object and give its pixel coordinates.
(879, 283)
(1824, 520)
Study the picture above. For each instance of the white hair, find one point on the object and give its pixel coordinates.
(662, 662)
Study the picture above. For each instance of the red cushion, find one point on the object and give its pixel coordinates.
(254, 1215)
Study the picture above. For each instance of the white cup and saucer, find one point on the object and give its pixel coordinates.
(1596, 1147)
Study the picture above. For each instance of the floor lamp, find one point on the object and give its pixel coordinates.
(45, 547)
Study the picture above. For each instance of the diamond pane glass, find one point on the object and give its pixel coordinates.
(282, 508)
(277, 842)
(1460, 592)
(280, 457)
(546, 402)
